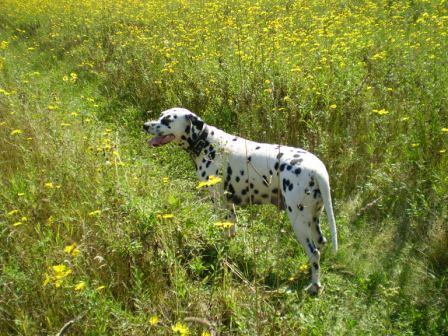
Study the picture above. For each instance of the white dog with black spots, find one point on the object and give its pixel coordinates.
(255, 173)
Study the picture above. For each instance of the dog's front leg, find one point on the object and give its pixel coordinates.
(230, 217)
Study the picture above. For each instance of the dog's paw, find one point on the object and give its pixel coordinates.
(314, 289)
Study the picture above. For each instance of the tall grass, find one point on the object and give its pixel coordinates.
(361, 84)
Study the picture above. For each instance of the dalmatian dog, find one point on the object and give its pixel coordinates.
(291, 178)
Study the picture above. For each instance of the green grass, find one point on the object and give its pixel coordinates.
(361, 84)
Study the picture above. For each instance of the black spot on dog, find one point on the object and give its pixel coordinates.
(234, 139)
(282, 166)
(297, 171)
(316, 193)
(208, 164)
(265, 195)
(187, 129)
(203, 173)
(256, 191)
(258, 147)
(249, 159)
(316, 265)
(242, 172)
(290, 187)
(300, 207)
(279, 155)
(293, 162)
(275, 191)
(237, 179)
(276, 165)
(289, 167)
(251, 185)
(271, 172)
(296, 155)
(229, 170)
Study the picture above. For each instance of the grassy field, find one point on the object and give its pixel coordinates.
(99, 229)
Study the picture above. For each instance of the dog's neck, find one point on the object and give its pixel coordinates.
(197, 142)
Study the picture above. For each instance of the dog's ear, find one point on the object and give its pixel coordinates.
(195, 121)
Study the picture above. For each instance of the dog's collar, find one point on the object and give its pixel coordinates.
(198, 145)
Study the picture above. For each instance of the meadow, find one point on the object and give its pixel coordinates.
(100, 231)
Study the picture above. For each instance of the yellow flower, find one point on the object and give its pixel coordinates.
(72, 250)
(13, 212)
(17, 223)
(224, 225)
(180, 328)
(205, 333)
(165, 179)
(212, 180)
(53, 107)
(73, 77)
(20, 194)
(49, 185)
(80, 286)
(154, 320)
(442, 151)
(65, 78)
(303, 268)
(95, 213)
(381, 112)
(333, 106)
(16, 132)
(445, 129)
(165, 216)
(414, 145)
(100, 288)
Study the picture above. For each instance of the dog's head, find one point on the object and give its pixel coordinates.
(175, 125)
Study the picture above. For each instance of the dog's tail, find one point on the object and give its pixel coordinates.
(323, 181)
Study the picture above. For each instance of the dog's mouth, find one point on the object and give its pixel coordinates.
(161, 140)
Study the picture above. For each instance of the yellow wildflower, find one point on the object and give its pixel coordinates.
(80, 286)
(16, 132)
(333, 106)
(224, 225)
(180, 328)
(212, 180)
(17, 223)
(154, 320)
(414, 145)
(73, 77)
(165, 180)
(49, 185)
(381, 112)
(445, 129)
(442, 151)
(95, 213)
(303, 268)
(20, 194)
(72, 249)
(205, 333)
(53, 107)
(13, 212)
(65, 78)
(99, 288)
(165, 216)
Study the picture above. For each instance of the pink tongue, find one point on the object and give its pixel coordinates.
(161, 140)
